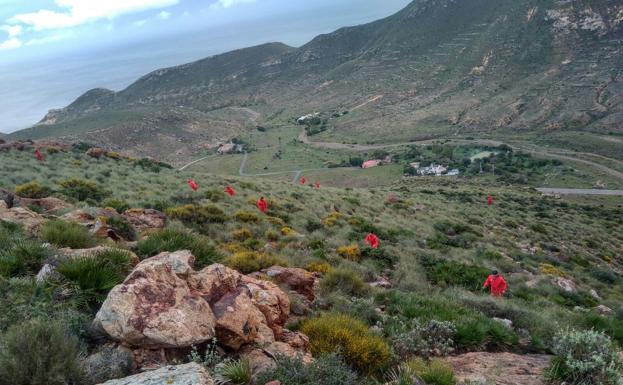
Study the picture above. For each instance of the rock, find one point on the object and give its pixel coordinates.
(149, 359)
(262, 359)
(49, 204)
(7, 197)
(81, 217)
(382, 283)
(145, 219)
(603, 310)
(271, 301)
(81, 253)
(298, 280)
(565, 284)
(273, 383)
(46, 272)
(296, 340)
(500, 368)
(30, 220)
(110, 361)
(155, 307)
(237, 319)
(187, 374)
(594, 294)
(215, 281)
(506, 322)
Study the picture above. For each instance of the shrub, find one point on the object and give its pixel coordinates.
(328, 369)
(197, 214)
(585, 358)
(23, 257)
(548, 269)
(350, 252)
(453, 234)
(236, 372)
(435, 372)
(250, 261)
(332, 219)
(424, 339)
(81, 189)
(287, 231)
(451, 273)
(119, 205)
(39, 352)
(246, 216)
(319, 267)
(242, 234)
(96, 274)
(360, 348)
(32, 190)
(67, 234)
(345, 281)
(174, 238)
(271, 235)
(379, 255)
(215, 195)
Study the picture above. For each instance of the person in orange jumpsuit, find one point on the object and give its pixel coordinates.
(262, 205)
(372, 240)
(193, 185)
(303, 180)
(497, 283)
(230, 191)
(39, 155)
(489, 200)
(317, 185)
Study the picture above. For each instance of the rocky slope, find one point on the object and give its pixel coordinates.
(437, 67)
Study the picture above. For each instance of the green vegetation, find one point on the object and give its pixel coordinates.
(39, 353)
(325, 370)
(334, 332)
(32, 190)
(67, 234)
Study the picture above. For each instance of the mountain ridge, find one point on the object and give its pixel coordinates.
(443, 67)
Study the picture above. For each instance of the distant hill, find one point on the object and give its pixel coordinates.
(509, 68)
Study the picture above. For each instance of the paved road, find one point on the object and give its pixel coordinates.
(580, 191)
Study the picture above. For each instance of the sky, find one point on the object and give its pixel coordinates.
(51, 51)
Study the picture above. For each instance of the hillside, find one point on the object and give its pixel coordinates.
(535, 70)
(418, 295)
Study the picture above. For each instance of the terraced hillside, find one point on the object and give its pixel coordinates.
(522, 69)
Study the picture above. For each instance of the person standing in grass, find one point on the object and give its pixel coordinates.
(262, 205)
(497, 283)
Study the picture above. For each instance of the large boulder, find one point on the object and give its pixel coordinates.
(237, 319)
(271, 301)
(7, 197)
(155, 307)
(30, 220)
(145, 219)
(187, 374)
(500, 368)
(565, 284)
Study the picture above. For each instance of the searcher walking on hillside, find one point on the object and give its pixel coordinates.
(497, 283)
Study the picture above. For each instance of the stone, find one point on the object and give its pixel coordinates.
(186, 374)
(7, 197)
(298, 280)
(594, 294)
(96, 152)
(155, 307)
(215, 281)
(273, 383)
(145, 219)
(565, 284)
(45, 274)
(237, 319)
(603, 310)
(30, 220)
(49, 204)
(382, 283)
(271, 301)
(109, 362)
(506, 322)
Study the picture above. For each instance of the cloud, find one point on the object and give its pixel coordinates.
(11, 43)
(139, 23)
(12, 30)
(229, 3)
(164, 15)
(78, 12)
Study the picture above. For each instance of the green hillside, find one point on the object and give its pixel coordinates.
(524, 70)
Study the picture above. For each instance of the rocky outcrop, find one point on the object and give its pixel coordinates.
(565, 284)
(165, 303)
(30, 220)
(500, 368)
(145, 219)
(96, 152)
(49, 204)
(298, 280)
(155, 307)
(187, 374)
